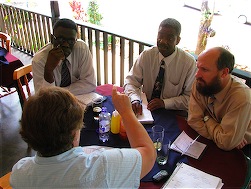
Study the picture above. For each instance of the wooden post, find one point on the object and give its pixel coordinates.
(204, 30)
(55, 14)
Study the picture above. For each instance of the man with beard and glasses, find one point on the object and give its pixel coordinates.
(179, 68)
(65, 62)
(220, 105)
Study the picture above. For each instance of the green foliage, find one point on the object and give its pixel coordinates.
(93, 13)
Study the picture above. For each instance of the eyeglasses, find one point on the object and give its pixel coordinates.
(61, 40)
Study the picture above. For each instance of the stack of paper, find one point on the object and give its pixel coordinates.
(186, 145)
(185, 176)
(146, 117)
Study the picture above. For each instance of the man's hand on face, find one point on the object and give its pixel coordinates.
(55, 55)
(137, 107)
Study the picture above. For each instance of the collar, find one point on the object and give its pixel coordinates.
(68, 58)
(74, 152)
(221, 95)
(169, 58)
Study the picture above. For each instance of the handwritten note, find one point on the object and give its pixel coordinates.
(183, 144)
(185, 176)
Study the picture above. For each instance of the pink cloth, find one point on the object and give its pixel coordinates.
(106, 89)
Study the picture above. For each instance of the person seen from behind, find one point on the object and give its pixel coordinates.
(51, 123)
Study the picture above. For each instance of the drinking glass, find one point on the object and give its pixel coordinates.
(97, 107)
(162, 155)
(158, 133)
(157, 136)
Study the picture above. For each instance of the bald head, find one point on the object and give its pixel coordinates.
(214, 68)
(220, 56)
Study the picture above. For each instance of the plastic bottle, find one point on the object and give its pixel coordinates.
(104, 125)
(115, 123)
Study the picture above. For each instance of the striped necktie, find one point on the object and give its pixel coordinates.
(159, 81)
(65, 74)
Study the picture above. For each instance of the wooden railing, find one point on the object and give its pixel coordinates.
(113, 54)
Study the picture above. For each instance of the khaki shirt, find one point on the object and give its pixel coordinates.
(229, 115)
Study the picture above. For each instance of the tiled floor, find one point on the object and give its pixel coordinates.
(12, 147)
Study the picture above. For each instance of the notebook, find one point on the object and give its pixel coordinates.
(187, 146)
(146, 117)
(186, 176)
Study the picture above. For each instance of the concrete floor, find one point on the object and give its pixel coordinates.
(12, 147)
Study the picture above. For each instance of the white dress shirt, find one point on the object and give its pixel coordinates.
(83, 79)
(180, 69)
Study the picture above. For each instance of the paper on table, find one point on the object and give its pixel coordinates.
(146, 117)
(183, 143)
(185, 176)
(86, 99)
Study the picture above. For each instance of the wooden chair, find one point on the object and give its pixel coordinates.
(20, 75)
(5, 41)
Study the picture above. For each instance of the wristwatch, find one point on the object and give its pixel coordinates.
(206, 118)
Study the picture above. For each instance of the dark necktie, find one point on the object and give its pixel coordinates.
(159, 81)
(65, 74)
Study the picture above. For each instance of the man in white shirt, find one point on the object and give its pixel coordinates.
(179, 74)
(48, 61)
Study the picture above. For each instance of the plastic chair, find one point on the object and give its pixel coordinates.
(20, 75)
(5, 181)
(5, 41)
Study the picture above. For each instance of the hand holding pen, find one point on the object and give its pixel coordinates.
(137, 104)
(137, 107)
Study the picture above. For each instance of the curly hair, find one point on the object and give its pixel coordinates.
(49, 120)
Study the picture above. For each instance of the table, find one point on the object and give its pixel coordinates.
(243, 75)
(7, 70)
(228, 165)
(6, 73)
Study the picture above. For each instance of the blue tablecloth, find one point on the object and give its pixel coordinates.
(163, 117)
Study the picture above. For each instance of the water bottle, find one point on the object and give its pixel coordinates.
(104, 125)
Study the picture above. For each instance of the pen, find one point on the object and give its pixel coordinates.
(190, 145)
(140, 101)
(140, 93)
